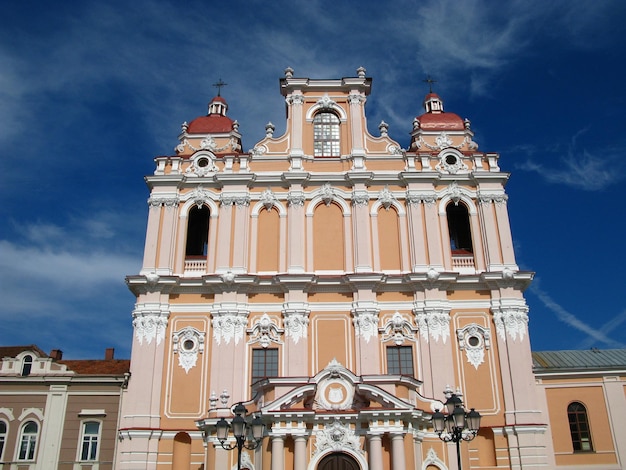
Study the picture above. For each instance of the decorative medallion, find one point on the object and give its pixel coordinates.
(335, 394)
(327, 193)
(474, 339)
(268, 198)
(188, 342)
(386, 197)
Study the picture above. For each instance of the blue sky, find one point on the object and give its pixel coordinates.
(90, 92)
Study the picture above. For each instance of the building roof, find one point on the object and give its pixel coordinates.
(98, 366)
(441, 121)
(13, 351)
(588, 359)
(213, 123)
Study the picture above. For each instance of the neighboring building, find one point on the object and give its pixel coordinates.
(336, 283)
(585, 393)
(58, 414)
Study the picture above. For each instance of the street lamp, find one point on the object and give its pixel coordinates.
(248, 432)
(457, 424)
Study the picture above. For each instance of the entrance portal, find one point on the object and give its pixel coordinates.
(338, 461)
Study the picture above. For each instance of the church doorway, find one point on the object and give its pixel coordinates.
(338, 461)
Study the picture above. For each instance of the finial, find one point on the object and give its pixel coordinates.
(219, 86)
(289, 72)
(361, 72)
(430, 82)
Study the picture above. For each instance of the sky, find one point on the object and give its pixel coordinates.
(91, 92)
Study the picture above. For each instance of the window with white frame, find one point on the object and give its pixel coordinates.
(3, 437)
(89, 441)
(28, 441)
(326, 135)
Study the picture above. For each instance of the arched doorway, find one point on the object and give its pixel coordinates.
(338, 461)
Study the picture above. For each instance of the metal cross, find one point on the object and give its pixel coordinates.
(430, 82)
(219, 86)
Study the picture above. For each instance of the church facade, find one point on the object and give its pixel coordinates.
(336, 284)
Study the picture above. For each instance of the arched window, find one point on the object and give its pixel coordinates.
(89, 441)
(27, 365)
(28, 441)
(3, 437)
(579, 427)
(197, 231)
(326, 135)
(459, 229)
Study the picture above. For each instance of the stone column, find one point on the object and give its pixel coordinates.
(278, 452)
(299, 457)
(375, 451)
(398, 461)
(152, 235)
(165, 262)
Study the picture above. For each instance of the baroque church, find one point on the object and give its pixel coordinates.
(337, 286)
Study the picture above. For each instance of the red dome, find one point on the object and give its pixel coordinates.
(441, 121)
(213, 123)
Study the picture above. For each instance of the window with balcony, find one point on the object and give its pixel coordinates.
(89, 441)
(326, 135)
(400, 360)
(28, 441)
(264, 363)
(579, 427)
(197, 232)
(459, 229)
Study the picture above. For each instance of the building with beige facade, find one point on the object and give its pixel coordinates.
(58, 414)
(337, 284)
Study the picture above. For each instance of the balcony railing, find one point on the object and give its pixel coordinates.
(195, 266)
(463, 263)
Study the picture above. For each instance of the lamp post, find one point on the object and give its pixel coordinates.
(248, 432)
(457, 424)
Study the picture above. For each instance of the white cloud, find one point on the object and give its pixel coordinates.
(594, 335)
(580, 169)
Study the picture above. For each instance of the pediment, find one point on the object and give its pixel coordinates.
(335, 389)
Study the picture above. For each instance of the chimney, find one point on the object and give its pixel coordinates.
(109, 353)
(56, 354)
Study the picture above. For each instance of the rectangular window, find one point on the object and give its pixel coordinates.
(400, 360)
(89, 445)
(264, 363)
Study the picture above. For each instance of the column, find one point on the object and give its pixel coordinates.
(375, 449)
(489, 237)
(278, 452)
(152, 236)
(299, 457)
(166, 245)
(361, 229)
(417, 236)
(397, 451)
(296, 228)
(52, 428)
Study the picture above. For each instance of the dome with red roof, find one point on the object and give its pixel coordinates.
(215, 121)
(435, 118)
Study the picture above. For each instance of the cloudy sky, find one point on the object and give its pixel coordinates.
(91, 91)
